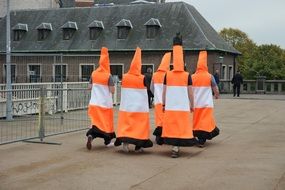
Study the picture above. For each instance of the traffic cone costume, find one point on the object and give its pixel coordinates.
(100, 109)
(204, 126)
(177, 123)
(158, 79)
(133, 118)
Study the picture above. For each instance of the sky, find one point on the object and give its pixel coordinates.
(262, 20)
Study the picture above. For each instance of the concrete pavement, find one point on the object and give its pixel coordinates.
(248, 154)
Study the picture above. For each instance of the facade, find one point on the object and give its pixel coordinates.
(48, 42)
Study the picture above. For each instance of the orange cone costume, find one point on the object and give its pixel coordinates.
(204, 125)
(177, 123)
(100, 108)
(158, 79)
(133, 118)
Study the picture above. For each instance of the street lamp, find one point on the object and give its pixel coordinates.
(9, 115)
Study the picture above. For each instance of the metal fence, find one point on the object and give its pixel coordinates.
(256, 86)
(45, 109)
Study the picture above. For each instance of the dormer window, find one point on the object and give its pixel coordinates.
(152, 28)
(68, 30)
(95, 29)
(19, 31)
(44, 30)
(124, 27)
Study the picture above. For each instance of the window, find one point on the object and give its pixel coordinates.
(230, 72)
(34, 73)
(151, 31)
(123, 32)
(68, 30)
(43, 34)
(146, 66)
(19, 31)
(117, 70)
(95, 29)
(18, 35)
(13, 73)
(95, 33)
(85, 72)
(124, 27)
(57, 73)
(68, 33)
(43, 30)
(152, 27)
(224, 72)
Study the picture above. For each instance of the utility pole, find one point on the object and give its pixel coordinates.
(9, 115)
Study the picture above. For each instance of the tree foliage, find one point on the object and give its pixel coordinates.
(265, 60)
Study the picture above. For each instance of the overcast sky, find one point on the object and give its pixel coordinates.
(262, 20)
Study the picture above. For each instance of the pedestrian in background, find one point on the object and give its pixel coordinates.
(217, 78)
(237, 80)
(148, 77)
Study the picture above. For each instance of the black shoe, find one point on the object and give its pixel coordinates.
(89, 142)
(201, 143)
(106, 142)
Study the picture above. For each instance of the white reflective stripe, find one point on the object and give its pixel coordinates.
(101, 96)
(134, 100)
(177, 98)
(203, 97)
(158, 89)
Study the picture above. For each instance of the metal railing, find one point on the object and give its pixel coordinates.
(255, 86)
(39, 111)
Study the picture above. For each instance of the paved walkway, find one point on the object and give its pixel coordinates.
(249, 154)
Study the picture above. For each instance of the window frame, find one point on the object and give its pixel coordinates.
(53, 72)
(95, 33)
(18, 35)
(147, 64)
(224, 72)
(13, 80)
(151, 31)
(118, 64)
(43, 34)
(80, 70)
(29, 75)
(123, 32)
(67, 33)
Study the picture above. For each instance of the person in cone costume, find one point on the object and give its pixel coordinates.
(100, 109)
(204, 125)
(157, 89)
(178, 104)
(133, 119)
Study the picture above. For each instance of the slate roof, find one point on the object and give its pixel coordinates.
(174, 17)
(121, 2)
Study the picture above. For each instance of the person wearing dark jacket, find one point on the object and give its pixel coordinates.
(148, 77)
(237, 80)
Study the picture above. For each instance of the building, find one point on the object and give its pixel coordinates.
(48, 42)
(26, 4)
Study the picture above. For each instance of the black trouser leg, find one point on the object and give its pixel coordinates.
(234, 89)
(238, 90)
(90, 132)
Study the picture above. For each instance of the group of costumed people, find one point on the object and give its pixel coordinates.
(184, 114)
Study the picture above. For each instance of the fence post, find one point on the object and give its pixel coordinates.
(42, 113)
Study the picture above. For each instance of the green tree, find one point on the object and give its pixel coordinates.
(269, 61)
(240, 41)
